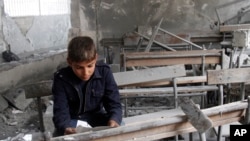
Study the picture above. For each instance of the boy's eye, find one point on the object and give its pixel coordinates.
(78, 67)
(90, 66)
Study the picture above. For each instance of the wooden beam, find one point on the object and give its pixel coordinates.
(171, 58)
(172, 61)
(166, 90)
(148, 75)
(163, 82)
(235, 75)
(230, 28)
(191, 79)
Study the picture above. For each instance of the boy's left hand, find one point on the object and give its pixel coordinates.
(113, 123)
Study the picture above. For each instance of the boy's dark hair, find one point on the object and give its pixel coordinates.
(81, 48)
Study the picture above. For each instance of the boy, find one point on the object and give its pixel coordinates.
(85, 90)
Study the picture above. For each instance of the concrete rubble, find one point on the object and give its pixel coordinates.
(16, 110)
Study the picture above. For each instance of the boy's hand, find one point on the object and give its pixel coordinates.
(113, 123)
(69, 130)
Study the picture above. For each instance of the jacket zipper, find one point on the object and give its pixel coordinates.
(78, 93)
(87, 87)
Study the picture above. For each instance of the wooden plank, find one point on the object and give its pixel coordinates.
(171, 58)
(147, 75)
(164, 82)
(191, 79)
(166, 90)
(229, 28)
(164, 54)
(225, 76)
(172, 61)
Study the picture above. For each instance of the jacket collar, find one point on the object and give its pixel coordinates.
(68, 75)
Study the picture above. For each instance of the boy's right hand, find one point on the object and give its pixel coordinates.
(69, 130)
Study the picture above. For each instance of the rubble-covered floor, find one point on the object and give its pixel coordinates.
(14, 123)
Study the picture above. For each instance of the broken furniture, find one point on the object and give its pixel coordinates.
(38, 90)
(154, 59)
(162, 124)
(228, 76)
(161, 127)
(134, 78)
(173, 122)
(163, 45)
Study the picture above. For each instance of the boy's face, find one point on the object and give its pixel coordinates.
(83, 70)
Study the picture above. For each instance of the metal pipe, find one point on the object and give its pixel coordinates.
(156, 42)
(165, 31)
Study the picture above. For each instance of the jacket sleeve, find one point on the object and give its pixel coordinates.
(112, 103)
(61, 116)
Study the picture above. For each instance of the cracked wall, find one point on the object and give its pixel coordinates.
(33, 33)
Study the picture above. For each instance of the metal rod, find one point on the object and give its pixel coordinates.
(153, 36)
(247, 117)
(175, 93)
(181, 38)
(156, 42)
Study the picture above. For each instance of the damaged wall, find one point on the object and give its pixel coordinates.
(33, 33)
(114, 18)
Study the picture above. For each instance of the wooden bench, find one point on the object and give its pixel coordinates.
(155, 59)
(162, 124)
(167, 58)
(228, 76)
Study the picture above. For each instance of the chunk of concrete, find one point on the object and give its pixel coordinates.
(17, 98)
(47, 119)
(15, 74)
(3, 103)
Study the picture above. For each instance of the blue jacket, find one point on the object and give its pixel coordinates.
(101, 93)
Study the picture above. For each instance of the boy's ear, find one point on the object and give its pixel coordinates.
(96, 56)
(69, 62)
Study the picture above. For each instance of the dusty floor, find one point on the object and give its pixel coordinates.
(15, 123)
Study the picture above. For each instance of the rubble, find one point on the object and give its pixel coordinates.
(3, 103)
(17, 98)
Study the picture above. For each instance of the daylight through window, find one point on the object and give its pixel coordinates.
(18, 8)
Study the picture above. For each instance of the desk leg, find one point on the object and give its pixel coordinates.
(40, 113)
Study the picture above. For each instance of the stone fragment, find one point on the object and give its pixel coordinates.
(3, 103)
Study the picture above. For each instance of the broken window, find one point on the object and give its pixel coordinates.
(19, 8)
